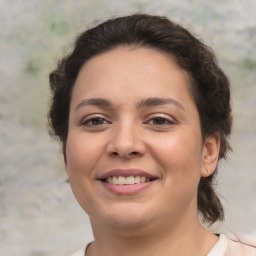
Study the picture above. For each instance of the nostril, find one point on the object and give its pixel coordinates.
(131, 154)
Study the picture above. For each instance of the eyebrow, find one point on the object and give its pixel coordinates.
(101, 102)
(154, 101)
(149, 102)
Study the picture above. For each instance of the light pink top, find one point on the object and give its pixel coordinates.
(223, 247)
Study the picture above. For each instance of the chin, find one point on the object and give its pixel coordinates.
(126, 216)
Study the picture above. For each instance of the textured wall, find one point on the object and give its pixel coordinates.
(38, 213)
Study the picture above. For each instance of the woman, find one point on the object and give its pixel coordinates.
(142, 110)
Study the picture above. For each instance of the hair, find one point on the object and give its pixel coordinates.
(208, 85)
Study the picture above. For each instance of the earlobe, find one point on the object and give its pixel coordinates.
(66, 167)
(210, 154)
(67, 171)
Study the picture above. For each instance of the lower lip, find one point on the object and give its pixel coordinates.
(127, 189)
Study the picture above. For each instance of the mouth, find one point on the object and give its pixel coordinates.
(127, 181)
(130, 180)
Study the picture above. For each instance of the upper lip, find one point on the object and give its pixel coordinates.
(126, 173)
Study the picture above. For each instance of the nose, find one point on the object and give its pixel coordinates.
(126, 142)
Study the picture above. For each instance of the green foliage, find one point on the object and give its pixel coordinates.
(249, 64)
(58, 27)
(32, 66)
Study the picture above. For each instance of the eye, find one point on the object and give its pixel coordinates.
(160, 121)
(94, 121)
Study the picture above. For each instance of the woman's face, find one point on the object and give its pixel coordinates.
(134, 149)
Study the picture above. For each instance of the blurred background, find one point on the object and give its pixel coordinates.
(38, 213)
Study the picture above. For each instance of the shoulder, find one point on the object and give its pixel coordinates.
(240, 247)
(81, 252)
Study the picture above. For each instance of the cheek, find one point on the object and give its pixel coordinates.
(179, 155)
(83, 153)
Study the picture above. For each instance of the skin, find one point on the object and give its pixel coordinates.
(162, 139)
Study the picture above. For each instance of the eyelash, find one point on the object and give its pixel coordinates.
(167, 121)
(89, 121)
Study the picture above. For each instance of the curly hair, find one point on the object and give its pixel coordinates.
(209, 86)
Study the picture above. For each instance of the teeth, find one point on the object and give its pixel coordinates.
(121, 180)
(142, 179)
(110, 180)
(114, 180)
(130, 180)
(137, 179)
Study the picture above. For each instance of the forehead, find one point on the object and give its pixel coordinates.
(131, 72)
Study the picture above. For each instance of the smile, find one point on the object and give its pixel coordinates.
(127, 181)
(121, 180)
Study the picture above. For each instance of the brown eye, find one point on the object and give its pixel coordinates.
(160, 121)
(95, 121)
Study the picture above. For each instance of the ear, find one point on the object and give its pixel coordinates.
(67, 170)
(66, 166)
(210, 156)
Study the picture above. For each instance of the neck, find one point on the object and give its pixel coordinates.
(173, 238)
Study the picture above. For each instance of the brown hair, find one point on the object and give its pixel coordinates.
(209, 85)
